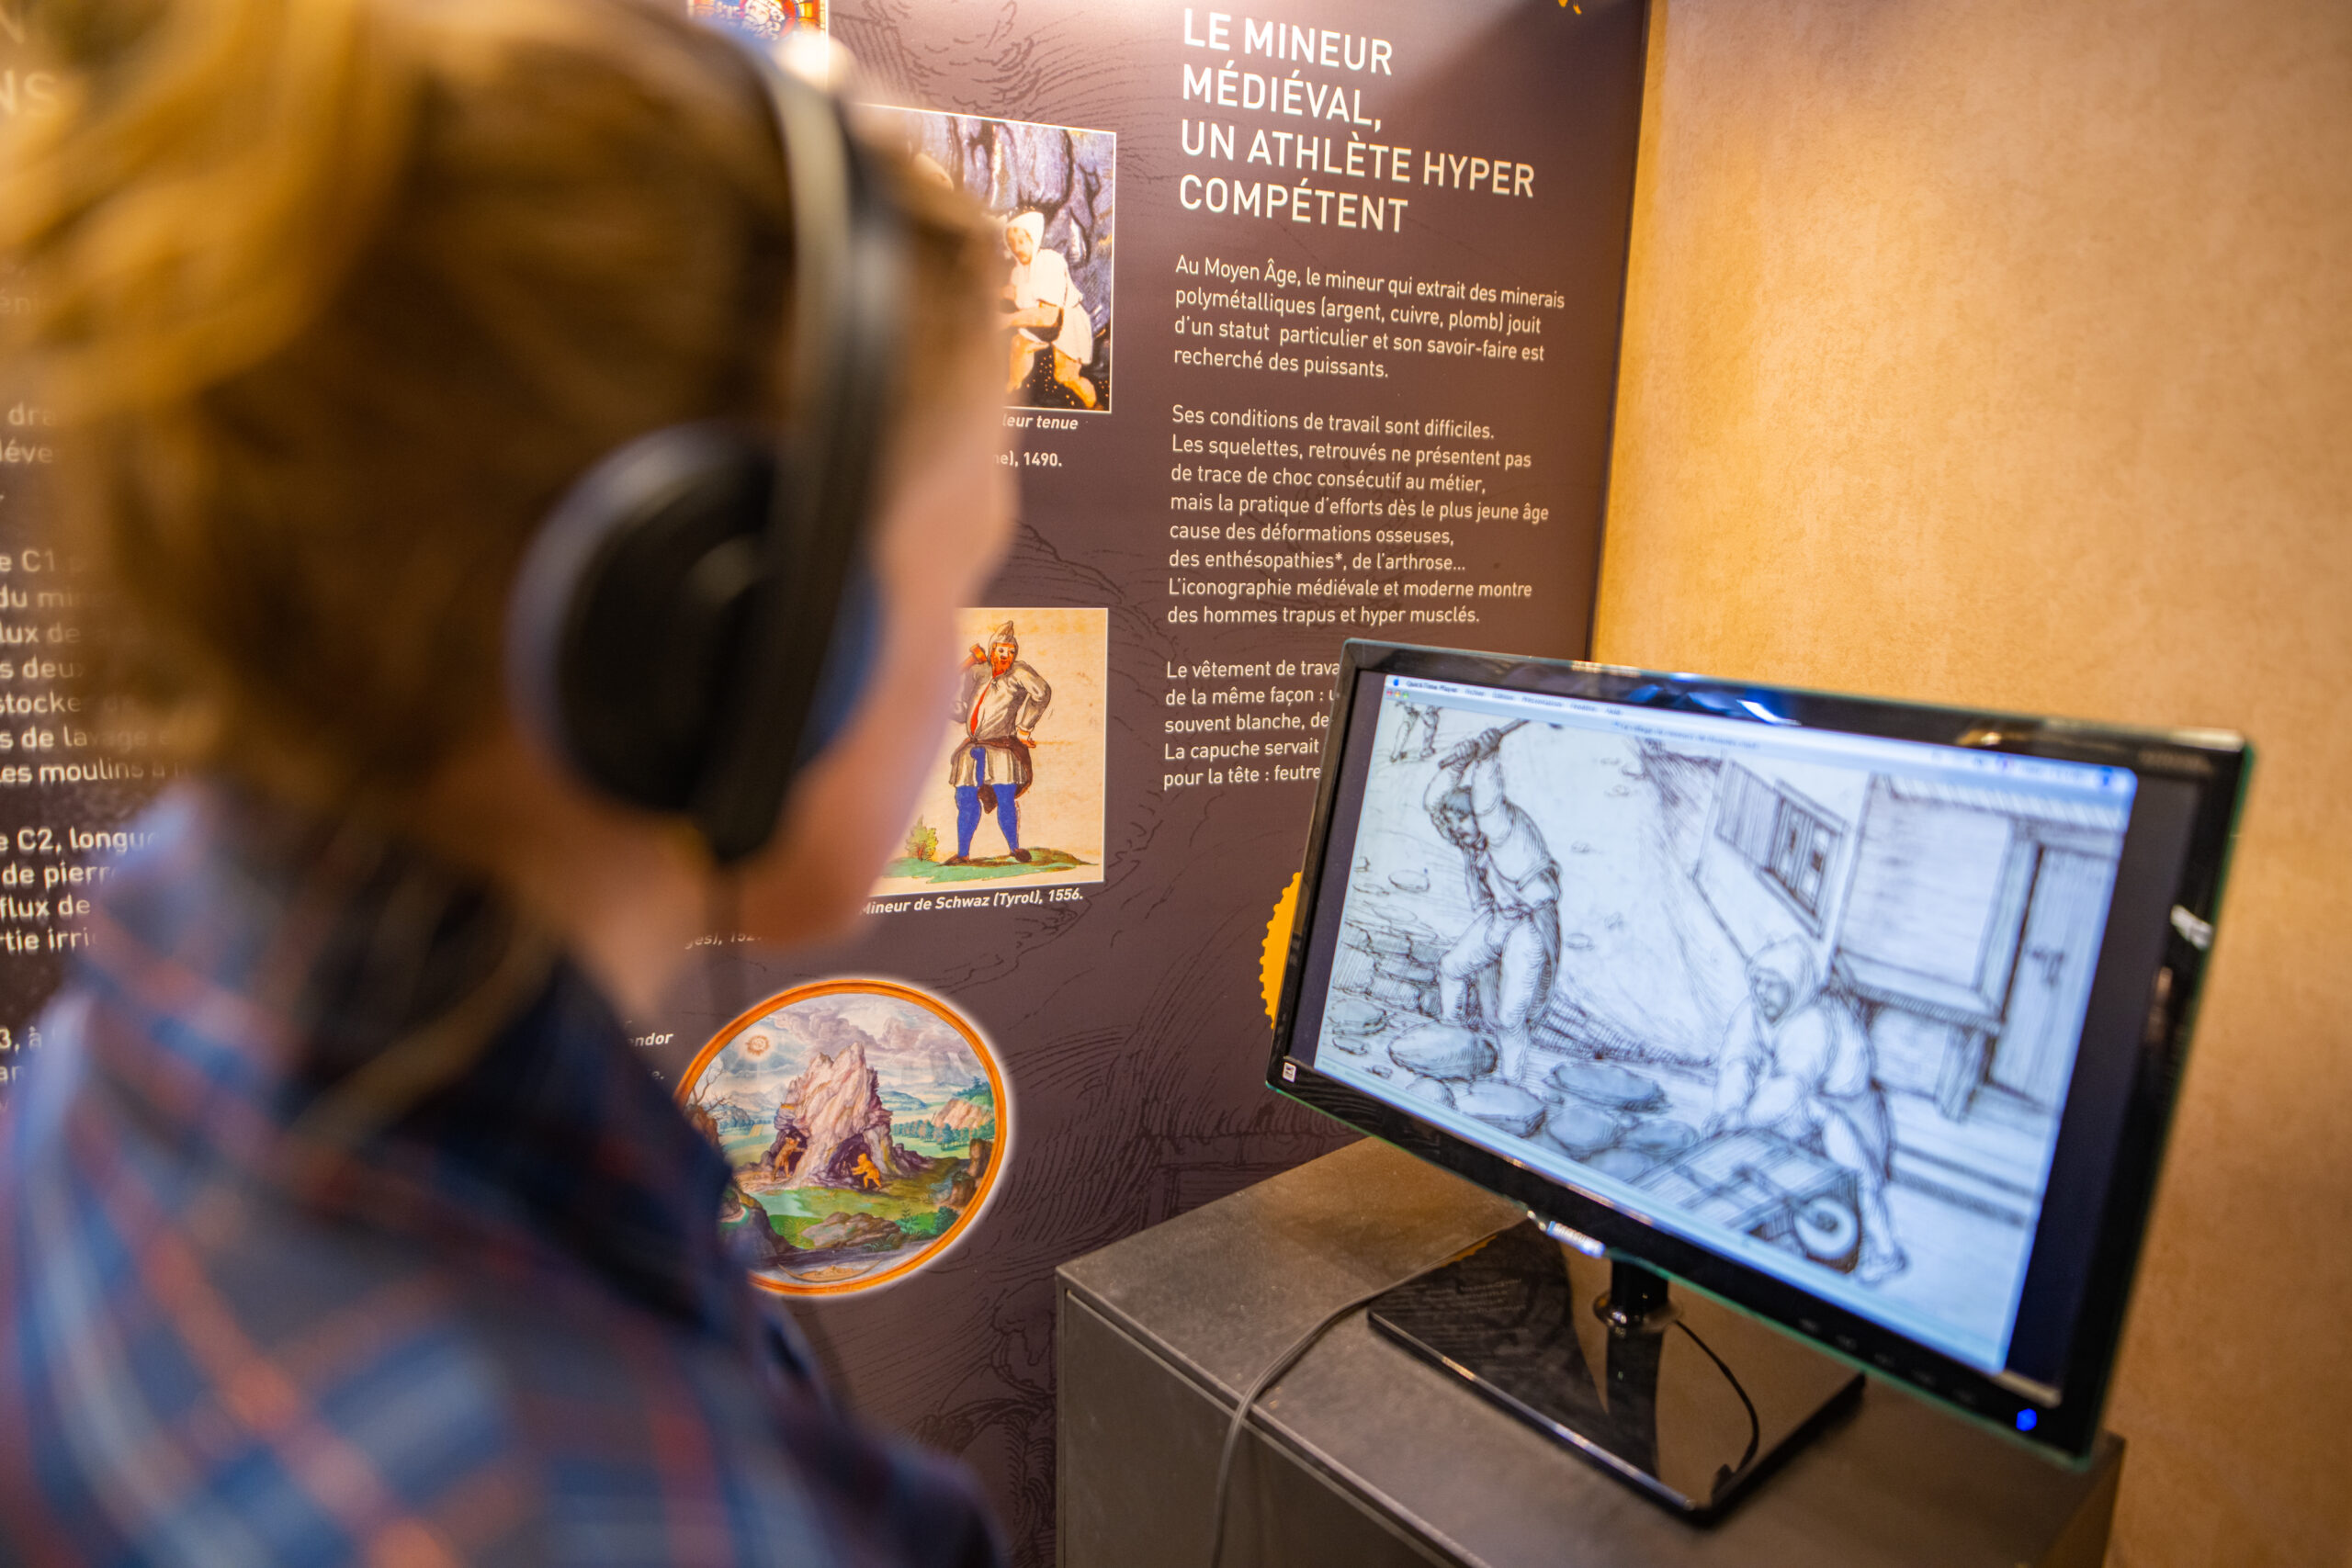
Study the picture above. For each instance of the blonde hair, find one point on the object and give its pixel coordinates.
(332, 299)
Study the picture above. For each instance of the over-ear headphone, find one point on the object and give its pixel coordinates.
(694, 619)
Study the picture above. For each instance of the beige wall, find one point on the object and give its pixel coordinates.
(2000, 352)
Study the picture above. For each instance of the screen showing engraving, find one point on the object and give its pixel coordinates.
(1809, 999)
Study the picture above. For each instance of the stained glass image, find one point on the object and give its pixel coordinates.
(764, 18)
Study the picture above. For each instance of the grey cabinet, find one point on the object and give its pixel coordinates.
(1365, 1457)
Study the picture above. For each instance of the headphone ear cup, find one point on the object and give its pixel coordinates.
(625, 628)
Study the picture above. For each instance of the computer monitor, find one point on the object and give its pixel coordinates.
(1864, 1017)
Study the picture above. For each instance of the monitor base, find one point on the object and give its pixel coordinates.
(1692, 1402)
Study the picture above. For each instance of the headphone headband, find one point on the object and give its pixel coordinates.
(848, 267)
(695, 620)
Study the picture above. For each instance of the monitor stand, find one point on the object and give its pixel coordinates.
(1688, 1400)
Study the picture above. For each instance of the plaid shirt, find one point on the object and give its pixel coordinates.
(339, 1223)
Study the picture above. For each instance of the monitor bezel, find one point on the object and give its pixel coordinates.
(2216, 763)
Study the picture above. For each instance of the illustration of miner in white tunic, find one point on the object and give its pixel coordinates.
(1510, 950)
(1047, 311)
(998, 706)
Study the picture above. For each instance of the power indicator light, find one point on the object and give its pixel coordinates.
(2027, 1420)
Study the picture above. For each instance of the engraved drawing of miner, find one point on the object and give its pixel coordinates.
(997, 708)
(1796, 1063)
(1510, 950)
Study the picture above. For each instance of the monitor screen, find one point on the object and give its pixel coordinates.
(1789, 992)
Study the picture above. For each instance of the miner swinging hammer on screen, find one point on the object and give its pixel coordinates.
(998, 706)
(1512, 948)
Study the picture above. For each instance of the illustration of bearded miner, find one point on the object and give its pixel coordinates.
(997, 707)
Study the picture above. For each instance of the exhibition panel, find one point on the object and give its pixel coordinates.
(1310, 324)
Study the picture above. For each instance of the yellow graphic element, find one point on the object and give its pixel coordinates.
(1276, 952)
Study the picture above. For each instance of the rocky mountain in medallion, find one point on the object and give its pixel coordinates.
(960, 1118)
(834, 1111)
(963, 1112)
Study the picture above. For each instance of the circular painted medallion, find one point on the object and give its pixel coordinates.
(866, 1123)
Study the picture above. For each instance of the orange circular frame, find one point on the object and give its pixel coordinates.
(938, 1009)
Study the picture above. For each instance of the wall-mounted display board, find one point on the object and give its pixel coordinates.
(1311, 333)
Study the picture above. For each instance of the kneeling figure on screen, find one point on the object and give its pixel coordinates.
(1797, 1064)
